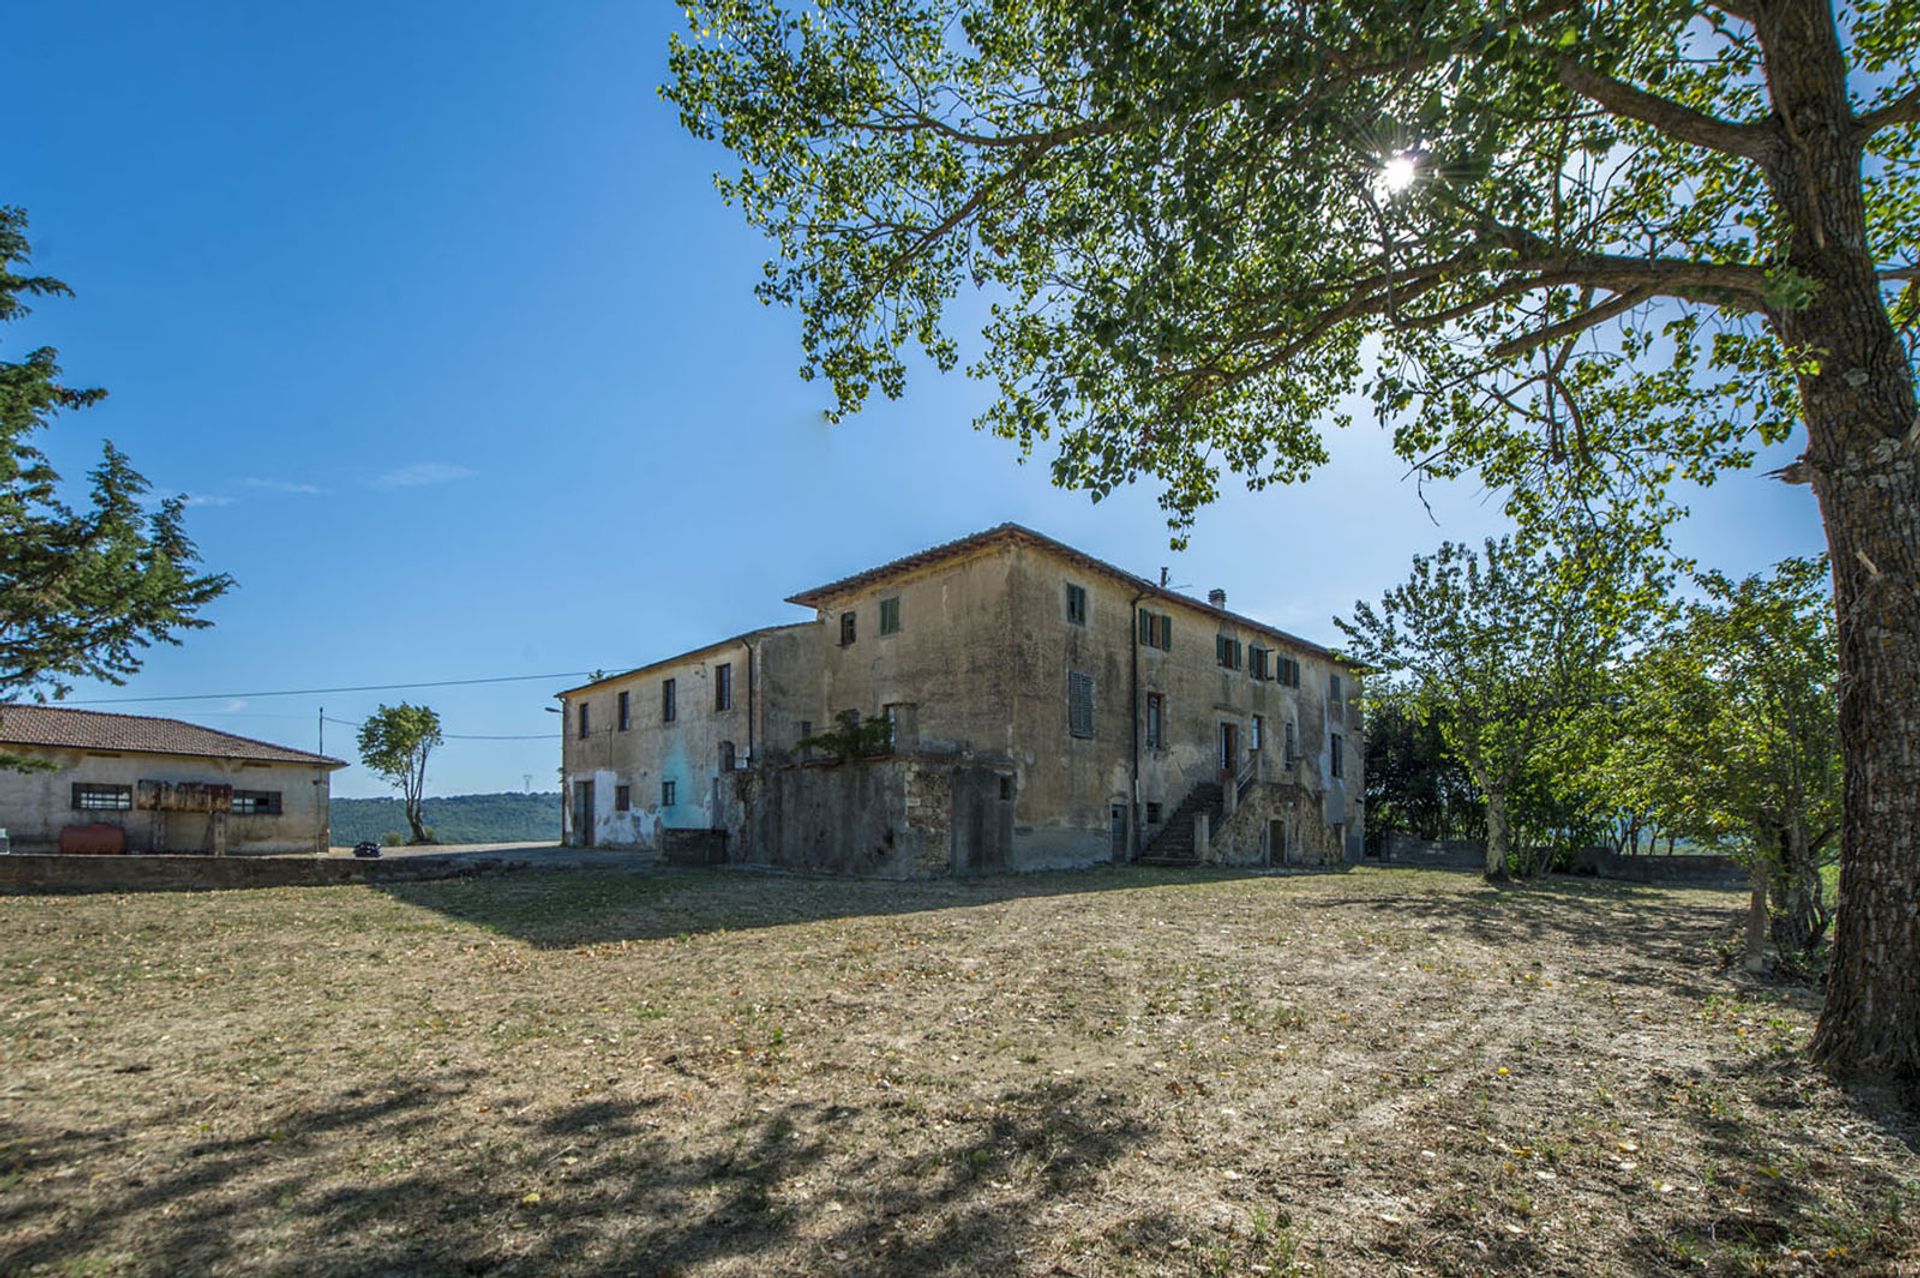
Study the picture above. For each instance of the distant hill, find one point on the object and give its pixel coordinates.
(459, 818)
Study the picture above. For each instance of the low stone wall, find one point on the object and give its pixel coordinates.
(1403, 848)
(693, 847)
(899, 817)
(55, 874)
(1706, 871)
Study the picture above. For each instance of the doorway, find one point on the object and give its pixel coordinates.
(1119, 823)
(1276, 842)
(583, 814)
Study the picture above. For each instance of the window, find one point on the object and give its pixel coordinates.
(256, 803)
(1006, 789)
(1293, 748)
(625, 712)
(847, 621)
(1337, 759)
(1153, 814)
(890, 616)
(1156, 720)
(1286, 671)
(584, 729)
(1156, 630)
(1258, 734)
(726, 756)
(1079, 703)
(1257, 663)
(900, 722)
(1226, 651)
(1333, 688)
(1076, 604)
(623, 798)
(666, 794)
(102, 798)
(723, 686)
(806, 729)
(668, 711)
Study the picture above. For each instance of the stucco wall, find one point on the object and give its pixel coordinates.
(949, 659)
(765, 717)
(1069, 786)
(34, 806)
(979, 666)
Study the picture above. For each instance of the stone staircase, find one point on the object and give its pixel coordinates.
(1174, 844)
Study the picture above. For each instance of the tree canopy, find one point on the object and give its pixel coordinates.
(1581, 247)
(1497, 649)
(394, 743)
(82, 591)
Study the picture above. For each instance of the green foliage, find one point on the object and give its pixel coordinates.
(511, 817)
(1729, 729)
(82, 591)
(1413, 782)
(394, 743)
(1179, 210)
(1500, 651)
(852, 739)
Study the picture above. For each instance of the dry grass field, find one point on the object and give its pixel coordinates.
(1120, 1072)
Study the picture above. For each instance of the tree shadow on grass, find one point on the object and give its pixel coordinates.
(1772, 1186)
(567, 909)
(1595, 923)
(413, 1177)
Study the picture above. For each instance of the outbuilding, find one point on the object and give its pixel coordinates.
(79, 780)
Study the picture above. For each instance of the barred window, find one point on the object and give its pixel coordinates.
(256, 802)
(92, 797)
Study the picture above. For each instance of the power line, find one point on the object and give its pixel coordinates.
(312, 692)
(454, 736)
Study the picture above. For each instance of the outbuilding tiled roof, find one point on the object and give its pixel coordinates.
(66, 728)
(819, 596)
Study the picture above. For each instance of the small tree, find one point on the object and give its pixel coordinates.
(395, 742)
(1733, 722)
(1498, 651)
(81, 591)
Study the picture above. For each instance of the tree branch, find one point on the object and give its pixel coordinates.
(1676, 121)
(1573, 324)
(1904, 109)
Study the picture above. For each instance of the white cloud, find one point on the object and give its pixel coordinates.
(235, 705)
(421, 475)
(205, 499)
(286, 486)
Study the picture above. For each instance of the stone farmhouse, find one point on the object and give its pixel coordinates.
(1045, 709)
(135, 783)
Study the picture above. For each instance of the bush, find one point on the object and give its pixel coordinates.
(391, 839)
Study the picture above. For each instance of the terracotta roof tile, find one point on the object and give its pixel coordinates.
(64, 727)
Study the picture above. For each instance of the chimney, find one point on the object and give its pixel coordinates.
(1218, 598)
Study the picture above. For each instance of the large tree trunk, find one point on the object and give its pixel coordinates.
(1496, 836)
(1756, 947)
(1798, 923)
(1862, 432)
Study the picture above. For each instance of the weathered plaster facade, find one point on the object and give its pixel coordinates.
(221, 800)
(671, 769)
(1005, 655)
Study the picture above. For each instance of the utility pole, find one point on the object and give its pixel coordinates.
(323, 730)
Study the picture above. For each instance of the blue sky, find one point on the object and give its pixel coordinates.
(433, 310)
